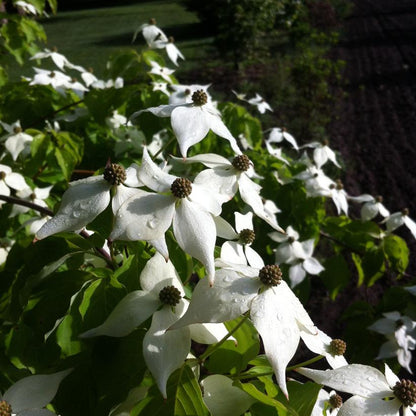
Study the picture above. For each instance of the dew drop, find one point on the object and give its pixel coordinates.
(152, 223)
(76, 214)
(371, 379)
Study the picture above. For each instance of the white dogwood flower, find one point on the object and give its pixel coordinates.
(275, 311)
(400, 331)
(277, 135)
(151, 33)
(16, 142)
(327, 404)
(191, 122)
(59, 60)
(374, 394)
(9, 179)
(398, 219)
(322, 153)
(188, 206)
(29, 395)
(161, 295)
(161, 71)
(37, 196)
(260, 103)
(227, 177)
(86, 198)
(372, 206)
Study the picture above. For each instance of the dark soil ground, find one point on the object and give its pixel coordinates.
(375, 127)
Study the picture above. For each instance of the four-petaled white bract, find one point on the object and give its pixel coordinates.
(372, 390)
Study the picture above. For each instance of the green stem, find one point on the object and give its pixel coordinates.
(252, 375)
(214, 347)
(306, 363)
(162, 149)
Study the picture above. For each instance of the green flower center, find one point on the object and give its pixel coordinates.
(199, 97)
(241, 163)
(379, 198)
(5, 408)
(405, 391)
(247, 236)
(337, 347)
(17, 130)
(270, 275)
(170, 295)
(181, 187)
(335, 401)
(115, 174)
(2, 175)
(51, 74)
(405, 211)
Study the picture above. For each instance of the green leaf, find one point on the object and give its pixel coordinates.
(397, 252)
(229, 358)
(302, 397)
(335, 266)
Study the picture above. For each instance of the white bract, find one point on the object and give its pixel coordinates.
(85, 199)
(191, 122)
(275, 311)
(147, 216)
(323, 405)
(227, 177)
(400, 331)
(371, 206)
(29, 395)
(260, 103)
(182, 94)
(322, 153)
(162, 71)
(9, 179)
(373, 393)
(151, 33)
(277, 135)
(398, 219)
(37, 196)
(59, 60)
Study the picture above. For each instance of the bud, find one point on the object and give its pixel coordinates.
(337, 347)
(335, 401)
(241, 163)
(405, 391)
(170, 295)
(270, 275)
(181, 187)
(199, 97)
(17, 130)
(115, 174)
(5, 408)
(405, 211)
(247, 236)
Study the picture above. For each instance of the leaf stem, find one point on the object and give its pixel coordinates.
(305, 363)
(211, 349)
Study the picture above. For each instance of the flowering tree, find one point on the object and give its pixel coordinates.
(125, 287)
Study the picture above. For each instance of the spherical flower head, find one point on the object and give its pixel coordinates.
(181, 187)
(115, 174)
(5, 408)
(335, 401)
(270, 275)
(405, 391)
(246, 236)
(2, 175)
(170, 295)
(337, 347)
(241, 163)
(199, 97)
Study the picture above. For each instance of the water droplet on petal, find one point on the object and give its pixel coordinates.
(152, 222)
(76, 214)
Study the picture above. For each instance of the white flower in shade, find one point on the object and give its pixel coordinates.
(37, 196)
(224, 399)
(5, 246)
(151, 33)
(374, 394)
(117, 120)
(371, 207)
(9, 179)
(29, 395)
(411, 289)
(191, 122)
(56, 79)
(172, 51)
(275, 311)
(189, 207)
(227, 177)
(322, 153)
(276, 152)
(398, 219)
(327, 404)
(297, 254)
(162, 87)
(27, 7)
(260, 103)
(161, 295)
(161, 71)
(234, 251)
(277, 135)
(400, 331)
(85, 199)
(16, 142)
(59, 60)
